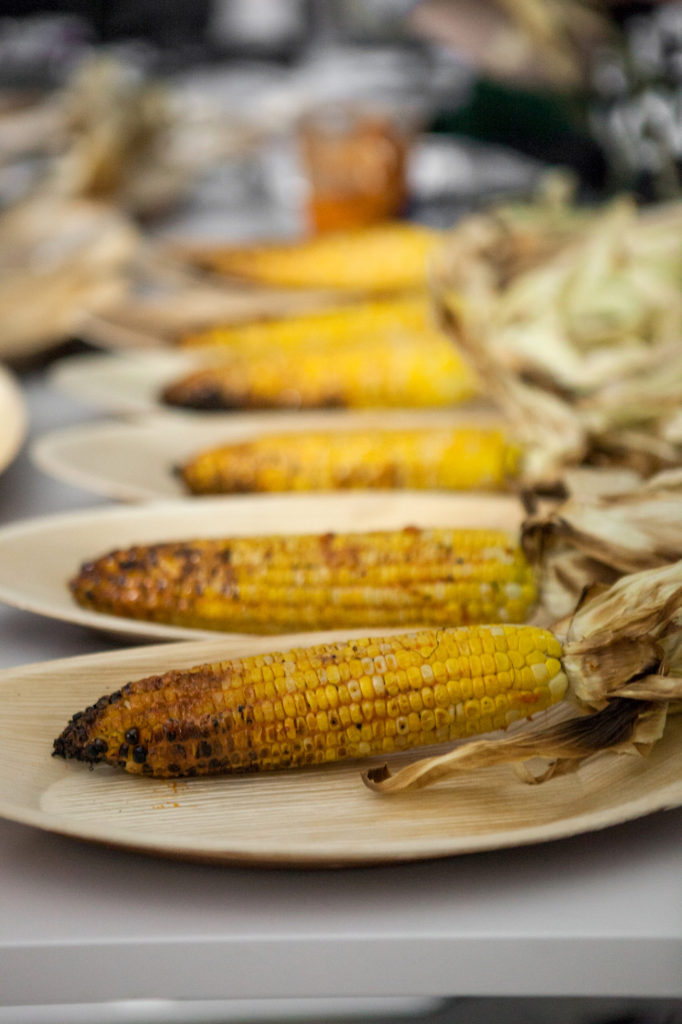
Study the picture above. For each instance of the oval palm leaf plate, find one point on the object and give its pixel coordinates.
(12, 418)
(313, 817)
(39, 556)
(128, 383)
(137, 460)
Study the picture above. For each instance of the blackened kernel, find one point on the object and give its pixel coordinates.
(204, 749)
(92, 752)
(139, 754)
(175, 768)
(132, 735)
(123, 750)
(115, 697)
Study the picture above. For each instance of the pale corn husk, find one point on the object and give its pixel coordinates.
(114, 135)
(599, 536)
(170, 298)
(554, 34)
(116, 140)
(623, 659)
(59, 258)
(579, 348)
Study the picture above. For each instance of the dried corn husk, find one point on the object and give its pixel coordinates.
(623, 659)
(553, 38)
(113, 134)
(57, 259)
(579, 346)
(527, 41)
(118, 142)
(598, 537)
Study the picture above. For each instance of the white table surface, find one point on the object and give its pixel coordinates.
(594, 915)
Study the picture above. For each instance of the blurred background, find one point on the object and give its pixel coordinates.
(444, 103)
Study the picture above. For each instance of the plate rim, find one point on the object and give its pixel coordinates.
(15, 414)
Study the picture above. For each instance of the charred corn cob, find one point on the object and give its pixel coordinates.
(463, 458)
(409, 369)
(288, 583)
(387, 258)
(326, 703)
(325, 328)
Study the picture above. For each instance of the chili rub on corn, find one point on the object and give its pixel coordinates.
(384, 258)
(459, 458)
(420, 370)
(277, 584)
(327, 703)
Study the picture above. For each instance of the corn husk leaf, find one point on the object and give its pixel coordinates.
(598, 537)
(114, 134)
(554, 37)
(623, 659)
(561, 744)
(57, 259)
(581, 349)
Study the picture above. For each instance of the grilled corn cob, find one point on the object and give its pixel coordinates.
(277, 584)
(326, 703)
(386, 258)
(463, 458)
(410, 369)
(329, 327)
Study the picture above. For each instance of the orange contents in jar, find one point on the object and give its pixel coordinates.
(356, 165)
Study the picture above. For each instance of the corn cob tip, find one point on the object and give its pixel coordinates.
(76, 741)
(199, 395)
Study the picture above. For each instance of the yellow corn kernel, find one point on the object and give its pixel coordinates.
(384, 258)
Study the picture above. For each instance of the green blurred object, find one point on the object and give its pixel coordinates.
(549, 126)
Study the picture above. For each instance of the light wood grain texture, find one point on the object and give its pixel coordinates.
(13, 420)
(134, 461)
(122, 383)
(318, 817)
(39, 556)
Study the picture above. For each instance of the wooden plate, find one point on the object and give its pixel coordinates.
(38, 556)
(318, 817)
(12, 418)
(123, 383)
(134, 461)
